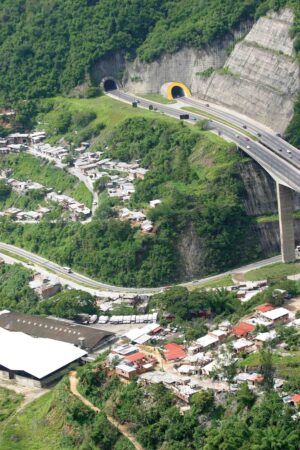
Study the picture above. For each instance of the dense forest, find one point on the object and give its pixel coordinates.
(49, 46)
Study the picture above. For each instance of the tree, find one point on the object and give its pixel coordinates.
(245, 397)
(100, 183)
(203, 401)
(69, 303)
(5, 190)
(267, 369)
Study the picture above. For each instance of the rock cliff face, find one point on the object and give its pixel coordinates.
(260, 190)
(260, 78)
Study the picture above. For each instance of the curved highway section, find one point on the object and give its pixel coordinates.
(277, 156)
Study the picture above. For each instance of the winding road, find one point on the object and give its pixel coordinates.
(84, 283)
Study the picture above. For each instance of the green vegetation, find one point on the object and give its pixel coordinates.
(57, 421)
(286, 365)
(9, 402)
(50, 47)
(107, 114)
(241, 421)
(273, 271)
(27, 167)
(224, 281)
(206, 73)
(159, 98)
(218, 119)
(68, 304)
(15, 292)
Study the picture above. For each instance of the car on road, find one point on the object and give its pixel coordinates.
(258, 134)
(247, 139)
(193, 118)
(288, 151)
(207, 104)
(248, 146)
(237, 136)
(67, 269)
(245, 127)
(280, 149)
(94, 203)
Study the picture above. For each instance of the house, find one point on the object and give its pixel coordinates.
(174, 352)
(261, 338)
(207, 341)
(154, 203)
(141, 362)
(277, 315)
(295, 399)
(250, 378)
(242, 345)
(242, 329)
(126, 371)
(220, 334)
(264, 308)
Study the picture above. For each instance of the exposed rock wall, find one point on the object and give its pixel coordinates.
(260, 190)
(268, 236)
(261, 79)
(262, 76)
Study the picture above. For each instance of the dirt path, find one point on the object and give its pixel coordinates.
(122, 428)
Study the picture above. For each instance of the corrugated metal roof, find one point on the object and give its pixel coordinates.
(56, 329)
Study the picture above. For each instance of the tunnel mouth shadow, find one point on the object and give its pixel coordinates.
(109, 85)
(177, 92)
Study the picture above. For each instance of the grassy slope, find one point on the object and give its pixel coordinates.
(9, 402)
(287, 366)
(37, 427)
(278, 270)
(109, 111)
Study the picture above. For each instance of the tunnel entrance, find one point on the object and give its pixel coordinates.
(110, 85)
(177, 92)
(175, 89)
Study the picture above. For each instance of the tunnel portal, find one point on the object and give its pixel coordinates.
(110, 85)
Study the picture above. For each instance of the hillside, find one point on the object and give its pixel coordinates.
(57, 420)
(50, 46)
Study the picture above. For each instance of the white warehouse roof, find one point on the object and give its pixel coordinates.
(38, 357)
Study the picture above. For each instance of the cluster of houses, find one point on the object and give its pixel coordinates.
(68, 203)
(19, 142)
(19, 215)
(43, 286)
(111, 300)
(203, 363)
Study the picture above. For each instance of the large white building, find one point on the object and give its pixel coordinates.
(34, 361)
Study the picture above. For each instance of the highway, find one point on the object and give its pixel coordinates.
(84, 283)
(277, 156)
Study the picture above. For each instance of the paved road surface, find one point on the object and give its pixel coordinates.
(76, 279)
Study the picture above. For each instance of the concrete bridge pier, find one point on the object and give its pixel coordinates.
(286, 223)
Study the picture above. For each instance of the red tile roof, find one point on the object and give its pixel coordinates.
(135, 357)
(174, 351)
(265, 308)
(242, 328)
(296, 398)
